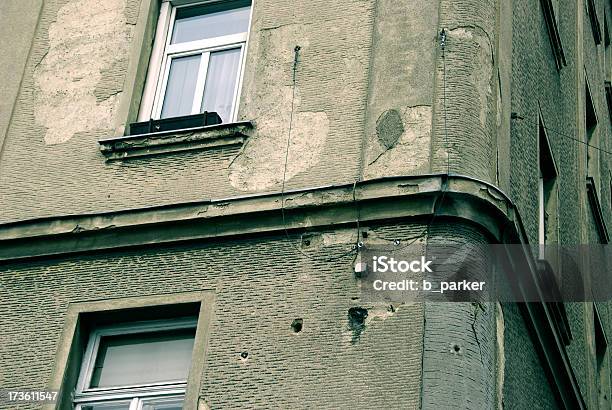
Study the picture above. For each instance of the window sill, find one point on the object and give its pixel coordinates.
(188, 139)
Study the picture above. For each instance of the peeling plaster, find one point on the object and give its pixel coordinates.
(261, 163)
(411, 151)
(87, 39)
(339, 237)
(381, 313)
(268, 103)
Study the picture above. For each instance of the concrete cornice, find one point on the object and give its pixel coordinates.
(380, 200)
(373, 200)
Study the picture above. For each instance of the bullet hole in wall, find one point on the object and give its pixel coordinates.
(307, 239)
(356, 321)
(297, 325)
(357, 316)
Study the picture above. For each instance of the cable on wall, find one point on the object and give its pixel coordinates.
(440, 199)
(438, 202)
(358, 243)
(516, 116)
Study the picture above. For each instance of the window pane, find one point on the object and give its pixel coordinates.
(221, 82)
(162, 404)
(143, 358)
(209, 21)
(124, 405)
(181, 85)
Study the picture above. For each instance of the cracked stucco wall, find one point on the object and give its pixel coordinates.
(79, 79)
(75, 85)
(402, 143)
(400, 94)
(253, 313)
(261, 164)
(328, 99)
(460, 341)
(465, 104)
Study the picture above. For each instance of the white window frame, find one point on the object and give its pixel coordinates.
(163, 52)
(136, 395)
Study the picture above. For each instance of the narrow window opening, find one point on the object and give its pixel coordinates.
(547, 194)
(591, 137)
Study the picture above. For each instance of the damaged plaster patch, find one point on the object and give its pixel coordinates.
(111, 81)
(409, 152)
(389, 128)
(86, 43)
(339, 237)
(360, 318)
(261, 164)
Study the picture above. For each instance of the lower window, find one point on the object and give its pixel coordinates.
(164, 403)
(136, 366)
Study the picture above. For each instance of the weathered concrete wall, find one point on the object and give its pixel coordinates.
(75, 85)
(328, 99)
(465, 99)
(400, 93)
(17, 24)
(78, 82)
(261, 286)
(525, 383)
(460, 339)
(538, 85)
(372, 97)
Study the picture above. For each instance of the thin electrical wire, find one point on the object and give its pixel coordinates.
(437, 204)
(521, 118)
(440, 199)
(289, 240)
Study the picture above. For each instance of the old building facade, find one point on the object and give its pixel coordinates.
(227, 250)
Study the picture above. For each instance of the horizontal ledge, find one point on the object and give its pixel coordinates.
(374, 200)
(155, 143)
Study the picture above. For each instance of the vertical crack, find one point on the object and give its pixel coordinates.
(477, 306)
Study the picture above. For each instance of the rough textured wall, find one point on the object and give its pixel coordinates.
(539, 87)
(465, 103)
(261, 286)
(75, 80)
(17, 24)
(328, 99)
(460, 341)
(400, 93)
(525, 383)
